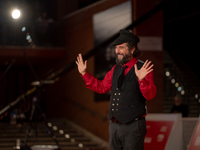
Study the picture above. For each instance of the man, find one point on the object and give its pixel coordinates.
(179, 107)
(131, 82)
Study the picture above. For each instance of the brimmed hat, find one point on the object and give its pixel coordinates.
(126, 37)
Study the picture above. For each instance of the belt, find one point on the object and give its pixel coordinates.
(114, 120)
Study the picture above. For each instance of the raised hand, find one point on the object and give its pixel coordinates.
(141, 74)
(82, 66)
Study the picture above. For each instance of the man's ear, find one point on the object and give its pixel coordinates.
(132, 50)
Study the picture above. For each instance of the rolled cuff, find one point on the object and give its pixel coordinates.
(86, 77)
(142, 83)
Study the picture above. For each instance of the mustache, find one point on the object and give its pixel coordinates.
(124, 59)
(119, 54)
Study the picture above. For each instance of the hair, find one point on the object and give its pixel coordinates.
(137, 53)
(178, 96)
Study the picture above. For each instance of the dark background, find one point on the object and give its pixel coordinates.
(181, 31)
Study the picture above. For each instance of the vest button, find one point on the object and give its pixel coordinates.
(116, 88)
(113, 99)
(113, 104)
(117, 104)
(112, 109)
(118, 93)
(118, 99)
(116, 109)
(115, 93)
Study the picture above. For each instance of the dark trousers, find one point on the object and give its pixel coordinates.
(128, 136)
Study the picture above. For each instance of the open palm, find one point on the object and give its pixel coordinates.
(82, 66)
(146, 69)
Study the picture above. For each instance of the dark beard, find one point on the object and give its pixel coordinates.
(124, 60)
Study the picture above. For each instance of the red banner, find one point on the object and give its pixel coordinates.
(157, 134)
(195, 142)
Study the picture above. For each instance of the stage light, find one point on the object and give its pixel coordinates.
(173, 81)
(67, 136)
(30, 40)
(55, 128)
(80, 145)
(28, 37)
(23, 29)
(179, 88)
(49, 124)
(61, 131)
(73, 140)
(167, 73)
(16, 14)
(176, 84)
(33, 46)
(182, 92)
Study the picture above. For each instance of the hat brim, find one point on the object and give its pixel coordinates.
(118, 41)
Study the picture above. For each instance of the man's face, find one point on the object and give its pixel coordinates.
(177, 101)
(123, 55)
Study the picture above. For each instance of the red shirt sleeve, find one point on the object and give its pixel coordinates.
(99, 86)
(147, 86)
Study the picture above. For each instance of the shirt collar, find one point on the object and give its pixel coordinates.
(131, 63)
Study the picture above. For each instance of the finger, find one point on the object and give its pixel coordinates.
(144, 65)
(76, 63)
(81, 58)
(149, 71)
(135, 67)
(147, 66)
(150, 67)
(86, 63)
(78, 59)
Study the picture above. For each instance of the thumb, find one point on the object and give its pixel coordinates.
(136, 69)
(86, 63)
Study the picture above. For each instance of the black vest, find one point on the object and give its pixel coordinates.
(127, 103)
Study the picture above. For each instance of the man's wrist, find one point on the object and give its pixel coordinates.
(83, 73)
(140, 79)
(142, 82)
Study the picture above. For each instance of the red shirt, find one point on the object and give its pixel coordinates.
(147, 86)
